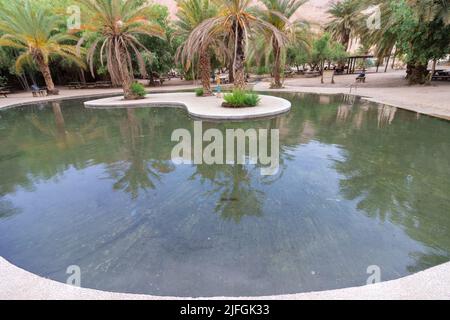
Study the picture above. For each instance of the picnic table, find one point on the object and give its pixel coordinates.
(442, 75)
(224, 78)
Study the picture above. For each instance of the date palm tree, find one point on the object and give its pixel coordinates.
(34, 32)
(345, 21)
(279, 13)
(114, 26)
(236, 21)
(192, 13)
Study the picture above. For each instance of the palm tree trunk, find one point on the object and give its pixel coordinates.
(59, 120)
(45, 70)
(127, 77)
(277, 65)
(239, 59)
(433, 70)
(205, 72)
(322, 64)
(346, 41)
(231, 71)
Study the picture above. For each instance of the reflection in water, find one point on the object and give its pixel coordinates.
(237, 197)
(136, 172)
(359, 184)
(386, 115)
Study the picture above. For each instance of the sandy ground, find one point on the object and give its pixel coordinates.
(387, 88)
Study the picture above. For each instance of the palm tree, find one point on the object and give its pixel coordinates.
(278, 14)
(345, 21)
(116, 25)
(192, 13)
(33, 30)
(236, 21)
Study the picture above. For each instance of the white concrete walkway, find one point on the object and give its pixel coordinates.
(434, 283)
(200, 107)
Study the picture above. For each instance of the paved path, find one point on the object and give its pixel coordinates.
(434, 283)
(26, 97)
(390, 89)
(200, 107)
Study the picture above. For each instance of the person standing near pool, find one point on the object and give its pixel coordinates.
(218, 87)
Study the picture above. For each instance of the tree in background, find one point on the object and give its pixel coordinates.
(325, 50)
(418, 29)
(114, 26)
(345, 21)
(279, 13)
(191, 13)
(34, 32)
(236, 22)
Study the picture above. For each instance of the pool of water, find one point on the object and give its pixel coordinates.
(359, 185)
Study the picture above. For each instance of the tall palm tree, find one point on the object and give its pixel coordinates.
(279, 13)
(116, 25)
(345, 21)
(33, 30)
(236, 20)
(192, 13)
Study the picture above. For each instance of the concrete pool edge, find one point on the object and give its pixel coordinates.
(199, 107)
(433, 283)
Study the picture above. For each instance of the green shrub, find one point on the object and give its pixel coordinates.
(241, 98)
(3, 81)
(138, 90)
(199, 92)
(260, 70)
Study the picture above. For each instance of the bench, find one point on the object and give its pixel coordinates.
(361, 79)
(441, 78)
(74, 85)
(103, 84)
(4, 92)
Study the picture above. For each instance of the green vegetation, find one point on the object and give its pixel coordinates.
(241, 99)
(199, 92)
(137, 90)
(29, 29)
(278, 15)
(121, 41)
(416, 31)
(114, 28)
(192, 13)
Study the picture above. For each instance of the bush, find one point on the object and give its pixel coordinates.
(241, 98)
(262, 70)
(199, 92)
(3, 81)
(138, 90)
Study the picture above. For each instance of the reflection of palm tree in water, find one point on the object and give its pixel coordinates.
(393, 178)
(7, 209)
(65, 138)
(138, 172)
(237, 197)
(386, 115)
(344, 111)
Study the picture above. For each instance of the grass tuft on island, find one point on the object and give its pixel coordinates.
(241, 99)
(137, 91)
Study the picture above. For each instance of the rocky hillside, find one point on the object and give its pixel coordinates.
(314, 11)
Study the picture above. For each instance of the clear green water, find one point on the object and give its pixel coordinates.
(359, 184)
